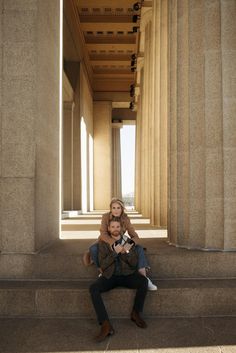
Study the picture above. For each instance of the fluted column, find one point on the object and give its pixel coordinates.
(202, 175)
(158, 117)
(116, 162)
(30, 126)
(102, 112)
(138, 184)
(146, 108)
(68, 155)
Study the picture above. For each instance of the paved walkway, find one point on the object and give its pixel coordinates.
(199, 335)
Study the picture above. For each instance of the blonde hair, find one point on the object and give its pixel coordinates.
(119, 201)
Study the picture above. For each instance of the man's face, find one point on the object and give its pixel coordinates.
(114, 229)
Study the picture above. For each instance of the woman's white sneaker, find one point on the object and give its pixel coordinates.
(151, 286)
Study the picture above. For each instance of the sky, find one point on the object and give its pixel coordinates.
(127, 136)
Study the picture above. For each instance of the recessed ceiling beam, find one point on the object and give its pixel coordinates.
(106, 19)
(110, 40)
(110, 62)
(106, 27)
(111, 46)
(106, 3)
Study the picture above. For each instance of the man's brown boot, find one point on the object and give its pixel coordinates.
(137, 319)
(106, 330)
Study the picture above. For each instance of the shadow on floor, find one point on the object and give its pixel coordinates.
(196, 335)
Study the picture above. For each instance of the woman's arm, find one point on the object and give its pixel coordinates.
(104, 235)
(131, 231)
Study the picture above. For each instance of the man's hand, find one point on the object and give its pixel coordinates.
(118, 248)
(127, 247)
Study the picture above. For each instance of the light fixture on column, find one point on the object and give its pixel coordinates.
(132, 90)
(133, 60)
(133, 106)
(136, 18)
(135, 29)
(137, 6)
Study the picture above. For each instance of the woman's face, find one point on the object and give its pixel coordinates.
(116, 209)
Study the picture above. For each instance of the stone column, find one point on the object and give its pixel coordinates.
(102, 155)
(30, 79)
(116, 163)
(68, 183)
(138, 184)
(146, 111)
(159, 93)
(202, 175)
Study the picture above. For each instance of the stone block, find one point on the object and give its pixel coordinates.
(229, 234)
(19, 60)
(17, 302)
(197, 125)
(228, 24)
(212, 24)
(19, 27)
(213, 75)
(229, 73)
(214, 222)
(183, 128)
(18, 160)
(230, 208)
(197, 223)
(214, 173)
(213, 123)
(229, 122)
(17, 200)
(230, 161)
(230, 185)
(17, 266)
(60, 302)
(197, 169)
(20, 5)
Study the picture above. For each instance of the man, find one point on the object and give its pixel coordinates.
(119, 268)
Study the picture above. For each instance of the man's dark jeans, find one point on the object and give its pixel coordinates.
(134, 281)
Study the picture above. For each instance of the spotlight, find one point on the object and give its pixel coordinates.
(132, 90)
(131, 105)
(135, 29)
(136, 18)
(137, 6)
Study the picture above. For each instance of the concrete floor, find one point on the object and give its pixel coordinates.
(197, 335)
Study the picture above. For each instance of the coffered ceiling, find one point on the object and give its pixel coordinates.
(104, 36)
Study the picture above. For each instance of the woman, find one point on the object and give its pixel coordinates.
(117, 210)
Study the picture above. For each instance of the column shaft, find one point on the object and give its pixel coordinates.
(202, 150)
(116, 163)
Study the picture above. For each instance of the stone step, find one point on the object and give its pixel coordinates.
(63, 260)
(174, 298)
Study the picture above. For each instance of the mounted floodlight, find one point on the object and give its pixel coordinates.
(137, 6)
(136, 18)
(132, 90)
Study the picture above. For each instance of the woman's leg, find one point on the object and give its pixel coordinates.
(93, 250)
(142, 265)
